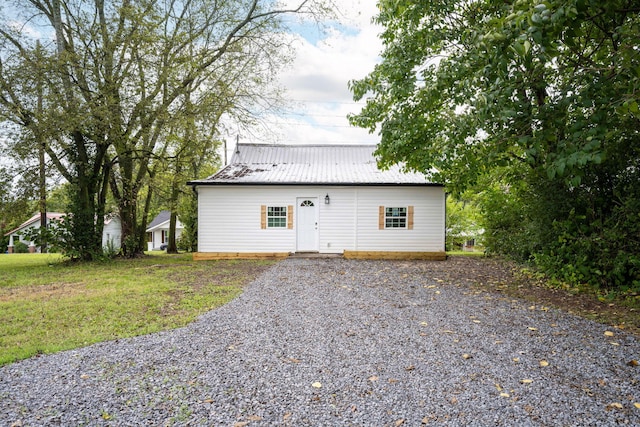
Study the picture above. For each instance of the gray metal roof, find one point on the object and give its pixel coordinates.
(309, 164)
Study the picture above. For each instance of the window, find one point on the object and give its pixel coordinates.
(395, 217)
(276, 217)
(164, 237)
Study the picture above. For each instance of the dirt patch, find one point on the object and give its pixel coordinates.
(497, 275)
(218, 273)
(43, 292)
(203, 277)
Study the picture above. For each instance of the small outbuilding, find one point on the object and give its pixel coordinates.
(274, 200)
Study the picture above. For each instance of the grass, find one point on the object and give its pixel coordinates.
(466, 253)
(48, 305)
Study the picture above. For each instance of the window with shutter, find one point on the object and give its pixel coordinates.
(395, 217)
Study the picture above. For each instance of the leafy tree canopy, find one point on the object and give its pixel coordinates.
(106, 82)
(534, 98)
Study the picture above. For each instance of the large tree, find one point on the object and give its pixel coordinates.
(118, 71)
(537, 101)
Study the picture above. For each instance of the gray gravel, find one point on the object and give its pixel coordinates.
(337, 342)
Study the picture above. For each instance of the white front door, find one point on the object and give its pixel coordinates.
(307, 224)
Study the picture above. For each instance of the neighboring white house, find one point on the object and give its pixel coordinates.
(273, 200)
(111, 232)
(19, 234)
(158, 231)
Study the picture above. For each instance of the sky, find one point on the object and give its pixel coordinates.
(317, 82)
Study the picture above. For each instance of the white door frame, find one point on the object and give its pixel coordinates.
(307, 227)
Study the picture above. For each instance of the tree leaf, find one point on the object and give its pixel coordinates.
(614, 405)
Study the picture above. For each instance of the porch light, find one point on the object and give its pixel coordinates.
(326, 199)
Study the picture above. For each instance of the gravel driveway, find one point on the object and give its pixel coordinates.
(336, 342)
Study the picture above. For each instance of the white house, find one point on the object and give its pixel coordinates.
(19, 234)
(273, 200)
(158, 231)
(111, 232)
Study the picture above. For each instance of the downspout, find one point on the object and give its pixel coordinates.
(446, 195)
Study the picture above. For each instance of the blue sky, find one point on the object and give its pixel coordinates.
(327, 58)
(317, 82)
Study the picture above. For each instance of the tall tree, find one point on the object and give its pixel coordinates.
(544, 92)
(119, 73)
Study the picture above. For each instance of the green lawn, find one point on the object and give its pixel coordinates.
(466, 253)
(48, 305)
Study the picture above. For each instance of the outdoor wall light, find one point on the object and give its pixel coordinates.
(327, 199)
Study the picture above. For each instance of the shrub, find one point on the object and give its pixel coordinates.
(20, 248)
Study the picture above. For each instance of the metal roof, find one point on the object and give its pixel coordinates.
(162, 217)
(309, 164)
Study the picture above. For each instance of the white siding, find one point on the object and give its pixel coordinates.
(112, 231)
(229, 218)
(338, 220)
(156, 234)
(427, 234)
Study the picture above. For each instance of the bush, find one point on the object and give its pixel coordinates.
(602, 254)
(20, 248)
(110, 250)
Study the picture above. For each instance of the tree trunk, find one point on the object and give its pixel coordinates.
(172, 247)
(133, 234)
(42, 171)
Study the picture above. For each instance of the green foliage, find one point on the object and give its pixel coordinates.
(535, 106)
(110, 250)
(463, 223)
(124, 89)
(507, 227)
(189, 217)
(16, 204)
(20, 248)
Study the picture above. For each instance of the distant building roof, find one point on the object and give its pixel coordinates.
(162, 221)
(162, 217)
(36, 219)
(309, 164)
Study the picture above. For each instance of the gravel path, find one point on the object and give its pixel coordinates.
(335, 342)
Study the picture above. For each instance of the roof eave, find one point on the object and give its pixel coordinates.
(328, 184)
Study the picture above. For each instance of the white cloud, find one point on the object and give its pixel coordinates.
(317, 80)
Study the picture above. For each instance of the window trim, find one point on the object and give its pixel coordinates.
(264, 217)
(382, 217)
